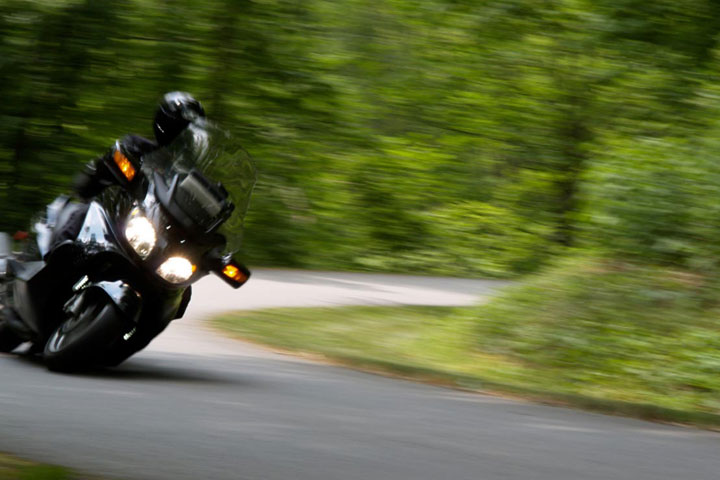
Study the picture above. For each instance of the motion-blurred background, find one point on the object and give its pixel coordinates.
(466, 138)
(578, 139)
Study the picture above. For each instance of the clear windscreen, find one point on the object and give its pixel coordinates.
(212, 152)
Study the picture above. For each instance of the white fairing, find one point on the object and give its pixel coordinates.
(5, 251)
(5, 245)
(44, 227)
(44, 235)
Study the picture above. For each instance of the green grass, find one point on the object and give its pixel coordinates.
(642, 341)
(13, 468)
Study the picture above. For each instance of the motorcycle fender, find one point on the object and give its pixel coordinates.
(127, 300)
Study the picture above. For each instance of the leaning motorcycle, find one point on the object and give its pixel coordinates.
(96, 299)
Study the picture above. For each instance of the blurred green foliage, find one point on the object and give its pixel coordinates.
(618, 330)
(473, 138)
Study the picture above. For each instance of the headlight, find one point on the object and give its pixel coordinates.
(141, 235)
(176, 269)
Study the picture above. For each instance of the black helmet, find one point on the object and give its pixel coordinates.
(175, 112)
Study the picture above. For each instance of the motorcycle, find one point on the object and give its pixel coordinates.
(96, 299)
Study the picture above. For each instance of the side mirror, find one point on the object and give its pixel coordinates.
(232, 272)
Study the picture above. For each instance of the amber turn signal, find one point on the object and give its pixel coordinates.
(234, 273)
(124, 164)
(231, 271)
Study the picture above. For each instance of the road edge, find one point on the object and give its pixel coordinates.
(476, 384)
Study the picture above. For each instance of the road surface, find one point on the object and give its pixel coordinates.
(196, 405)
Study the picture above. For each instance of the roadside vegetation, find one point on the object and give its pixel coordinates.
(616, 337)
(427, 136)
(13, 468)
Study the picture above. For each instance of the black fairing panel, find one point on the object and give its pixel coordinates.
(31, 295)
(25, 271)
(184, 301)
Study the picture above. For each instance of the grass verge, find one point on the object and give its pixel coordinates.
(13, 468)
(625, 339)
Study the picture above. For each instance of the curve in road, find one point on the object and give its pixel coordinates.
(197, 405)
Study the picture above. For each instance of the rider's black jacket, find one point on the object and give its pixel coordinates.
(96, 177)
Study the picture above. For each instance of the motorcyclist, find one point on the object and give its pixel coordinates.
(175, 112)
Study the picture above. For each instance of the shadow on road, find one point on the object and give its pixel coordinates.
(148, 370)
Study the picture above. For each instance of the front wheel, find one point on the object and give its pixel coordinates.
(82, 338)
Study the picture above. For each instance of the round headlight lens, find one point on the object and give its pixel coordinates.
(176, 270)
(140, 234)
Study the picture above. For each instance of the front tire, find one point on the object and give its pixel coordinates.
(81, 340)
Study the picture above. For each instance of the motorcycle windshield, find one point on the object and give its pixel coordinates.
(200, 167)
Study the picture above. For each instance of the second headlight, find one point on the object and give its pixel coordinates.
(176, 269)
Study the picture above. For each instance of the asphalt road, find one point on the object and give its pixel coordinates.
(195, 405)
